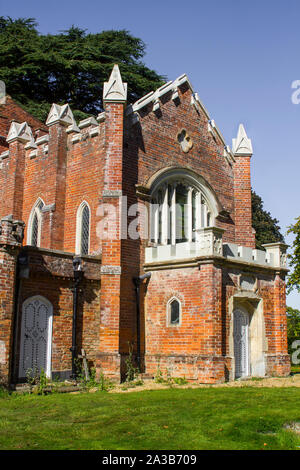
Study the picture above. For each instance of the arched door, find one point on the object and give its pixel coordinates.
(241, 343)
(36, 336)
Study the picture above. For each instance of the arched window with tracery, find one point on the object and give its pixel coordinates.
(83, 229)
(180, 207)
(35, 224)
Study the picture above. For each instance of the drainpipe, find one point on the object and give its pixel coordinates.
(137, 282)
(78, 275)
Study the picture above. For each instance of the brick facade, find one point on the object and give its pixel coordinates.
(115, 162)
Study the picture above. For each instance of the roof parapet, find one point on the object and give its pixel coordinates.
(243, 147)
(154, 96)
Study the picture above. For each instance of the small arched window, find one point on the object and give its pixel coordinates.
(35, 224)
(83, 229)
(174, 312)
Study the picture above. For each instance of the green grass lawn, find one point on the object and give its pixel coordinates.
(171, 419)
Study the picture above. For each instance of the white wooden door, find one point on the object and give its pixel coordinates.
(241, 343)
(36, 336)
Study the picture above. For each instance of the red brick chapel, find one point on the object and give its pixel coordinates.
(132, 230)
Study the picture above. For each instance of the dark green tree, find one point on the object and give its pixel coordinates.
(293, 327)
(266, 227)
(294, 258)
(69, 67)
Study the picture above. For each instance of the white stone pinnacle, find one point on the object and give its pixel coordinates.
(242, 144)
(62, 114)
(21, 132)
(115, 90)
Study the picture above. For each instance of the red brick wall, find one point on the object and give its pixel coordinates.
(197, 341)
(51, 276)
(11, 111)
(84, 182)
(7, 290)
(244, 234)
(199, 348)
(13, 186)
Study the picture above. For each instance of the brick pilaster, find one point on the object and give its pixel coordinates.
(244, 234)
(278, 361)
(111, 273)
(11, 236)
(56, 193)
(14, 185)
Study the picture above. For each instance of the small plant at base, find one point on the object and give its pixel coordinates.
(36, 380)
(169, 379)
(42, 383)
(159, 379)
(180, 380)
(31, 378)
(132, 372)
(104, 383)
(79, 372)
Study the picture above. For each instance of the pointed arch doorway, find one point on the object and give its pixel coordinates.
(36, 336)
(241, 342)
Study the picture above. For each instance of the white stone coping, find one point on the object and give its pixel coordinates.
(273, 258)
(76, 138)
(44, 139)
(195, 101)
(90, 121)
(94, 131)
(207, 246)
(101, 117)
(155, 95)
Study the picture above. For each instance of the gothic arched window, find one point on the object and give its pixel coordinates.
(83, 229)
(35, 224)
(174, 312)
(180, 208)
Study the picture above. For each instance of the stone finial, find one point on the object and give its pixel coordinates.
(115, 90)
(61, 114)
(241, 146)
(20, 132)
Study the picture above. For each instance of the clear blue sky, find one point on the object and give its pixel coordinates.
(241, 57)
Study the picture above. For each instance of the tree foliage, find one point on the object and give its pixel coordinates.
(266, 227)
(293, 326)
(294, 258)
(69, 67)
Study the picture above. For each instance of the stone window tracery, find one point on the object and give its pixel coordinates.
(179, 209)
(35, 224)
(83, 229)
